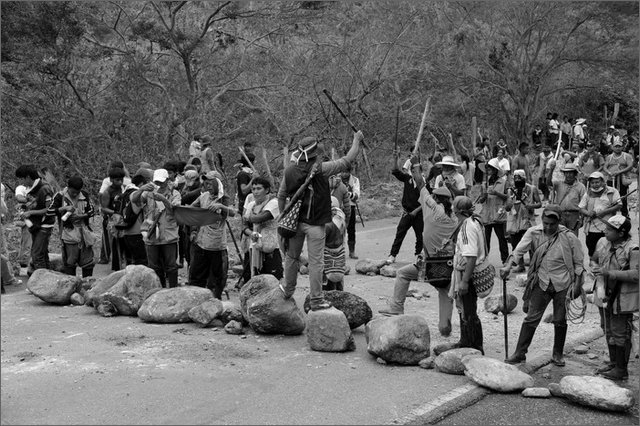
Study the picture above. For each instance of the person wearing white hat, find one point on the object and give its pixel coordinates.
(578, 130)
(160, 228)
(450, 177)
(599, 202)
(615, 263)
(568, 194)
(495, 202)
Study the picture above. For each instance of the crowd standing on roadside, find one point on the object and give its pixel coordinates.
(453, 203)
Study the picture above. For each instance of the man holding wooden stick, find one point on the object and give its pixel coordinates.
(315, 212)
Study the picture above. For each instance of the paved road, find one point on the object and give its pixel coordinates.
(64, 365)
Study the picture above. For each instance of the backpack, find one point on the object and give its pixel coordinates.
(129, 217)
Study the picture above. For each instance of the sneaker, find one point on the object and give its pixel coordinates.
(391, 259)
(390, 312)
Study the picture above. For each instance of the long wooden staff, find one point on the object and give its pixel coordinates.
(416, 147)
(248, 161)
(266, 165)
(364, 146)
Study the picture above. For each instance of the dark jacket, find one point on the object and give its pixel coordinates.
(316, 201)
(43, 195)
(410, 192)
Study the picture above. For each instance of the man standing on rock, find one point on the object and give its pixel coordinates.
(315, 213)
(440, 223)
(556, 262)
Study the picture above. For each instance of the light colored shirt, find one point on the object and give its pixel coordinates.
(456, 179)
(438, 226)
(212, 237)
(106, 183)
(569, 196)
(166, 231)
(597, 204)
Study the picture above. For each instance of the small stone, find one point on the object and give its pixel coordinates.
(536, 393)
(554, 389)
(546, 376)
(381, 361)
(581, 349)
(592, 355)
(427, 363)
(548, 318)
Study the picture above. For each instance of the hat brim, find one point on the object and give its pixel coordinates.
(446, 163)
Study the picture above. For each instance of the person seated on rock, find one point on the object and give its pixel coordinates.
(334, 253)
(74, 209)
(615, 263)
(440, 223)
(556, 262)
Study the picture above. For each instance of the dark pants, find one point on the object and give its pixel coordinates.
(73, 255)
(515, 238)
(118, 253)
(105, 248)
(591, 240)
(618, 328)
(271, 264)
(351, 230)
(502, 240)
(40, 248)
(162, 259)
(540, 300)
(208, 269)
(623, 191)
(470, 325)
(406, 222)
(136, 252)
(183, 243)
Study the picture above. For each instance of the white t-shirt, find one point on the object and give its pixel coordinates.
(106, 183)
(470, 242)
(504, 164)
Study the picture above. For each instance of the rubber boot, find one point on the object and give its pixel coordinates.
(395, 306)
(612, 360)
(524, 340)
(69, 270)
(352, 251)
(559, 337)
(172, 278)
(87, 271)
(619, 372)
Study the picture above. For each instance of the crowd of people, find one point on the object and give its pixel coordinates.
(177, 215)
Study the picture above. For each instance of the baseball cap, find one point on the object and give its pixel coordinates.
(212, 174)
(160, 175)
(596, 175)
(552, 210)
(617, 143)
(569, 167)
(619, 222)
(190, 174)
(521, 173)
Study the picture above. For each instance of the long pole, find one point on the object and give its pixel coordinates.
(425, 113)
(364, 145)
(504, 314)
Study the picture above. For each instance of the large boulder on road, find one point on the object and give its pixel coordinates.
(597, 392)
(206, 312)
(450, 362)
(403, 339)
(265, 309)
(370, 266)
(355, 308)
(127, 295)
(101, 286)
(172, 305)
(53, 287)
(329, 331)
(496, 375)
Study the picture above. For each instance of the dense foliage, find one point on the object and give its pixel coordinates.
(87, 82)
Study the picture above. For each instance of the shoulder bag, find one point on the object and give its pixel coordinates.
(438, 269)
(288, 222)
(532, 273)
(483, 275)
(268, 241)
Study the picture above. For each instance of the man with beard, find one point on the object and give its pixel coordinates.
(439, 226)
(526, 199)
(599, 202)
(567, 195)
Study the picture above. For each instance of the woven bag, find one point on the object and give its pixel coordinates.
(288, 224)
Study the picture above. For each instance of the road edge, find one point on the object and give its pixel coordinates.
(467, 395)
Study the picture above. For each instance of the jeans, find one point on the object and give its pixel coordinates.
(73, 255)
(40, 248)
(208, 269)
(409, 273)
(617, 327)
(162, 259)
(25, 245)
(406, 222)
(502, 241)
(540, 300)
(315, 237)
